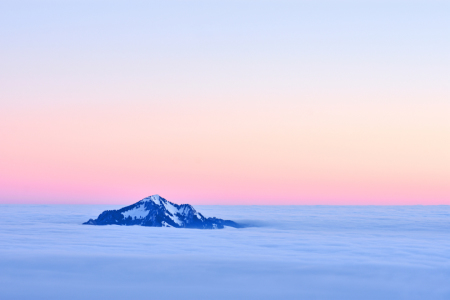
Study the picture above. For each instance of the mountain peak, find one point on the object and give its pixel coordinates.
(155, 198)
(158, 212)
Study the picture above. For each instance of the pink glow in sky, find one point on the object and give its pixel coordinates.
(257, 108)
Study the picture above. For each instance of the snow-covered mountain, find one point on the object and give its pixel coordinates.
(158, 212)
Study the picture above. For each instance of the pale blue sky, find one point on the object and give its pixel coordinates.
(207, 47)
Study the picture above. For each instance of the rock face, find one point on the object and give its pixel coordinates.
(158, 212)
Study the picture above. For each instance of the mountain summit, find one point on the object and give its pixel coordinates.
(158, 212)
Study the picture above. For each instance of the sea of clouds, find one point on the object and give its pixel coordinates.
(286, 252)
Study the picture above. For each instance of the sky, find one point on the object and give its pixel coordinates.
(225, 102)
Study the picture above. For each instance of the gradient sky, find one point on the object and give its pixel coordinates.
(225, 102)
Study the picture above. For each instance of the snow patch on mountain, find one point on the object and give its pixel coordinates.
(138, 212)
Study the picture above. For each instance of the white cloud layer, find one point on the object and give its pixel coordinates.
(292, 252)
